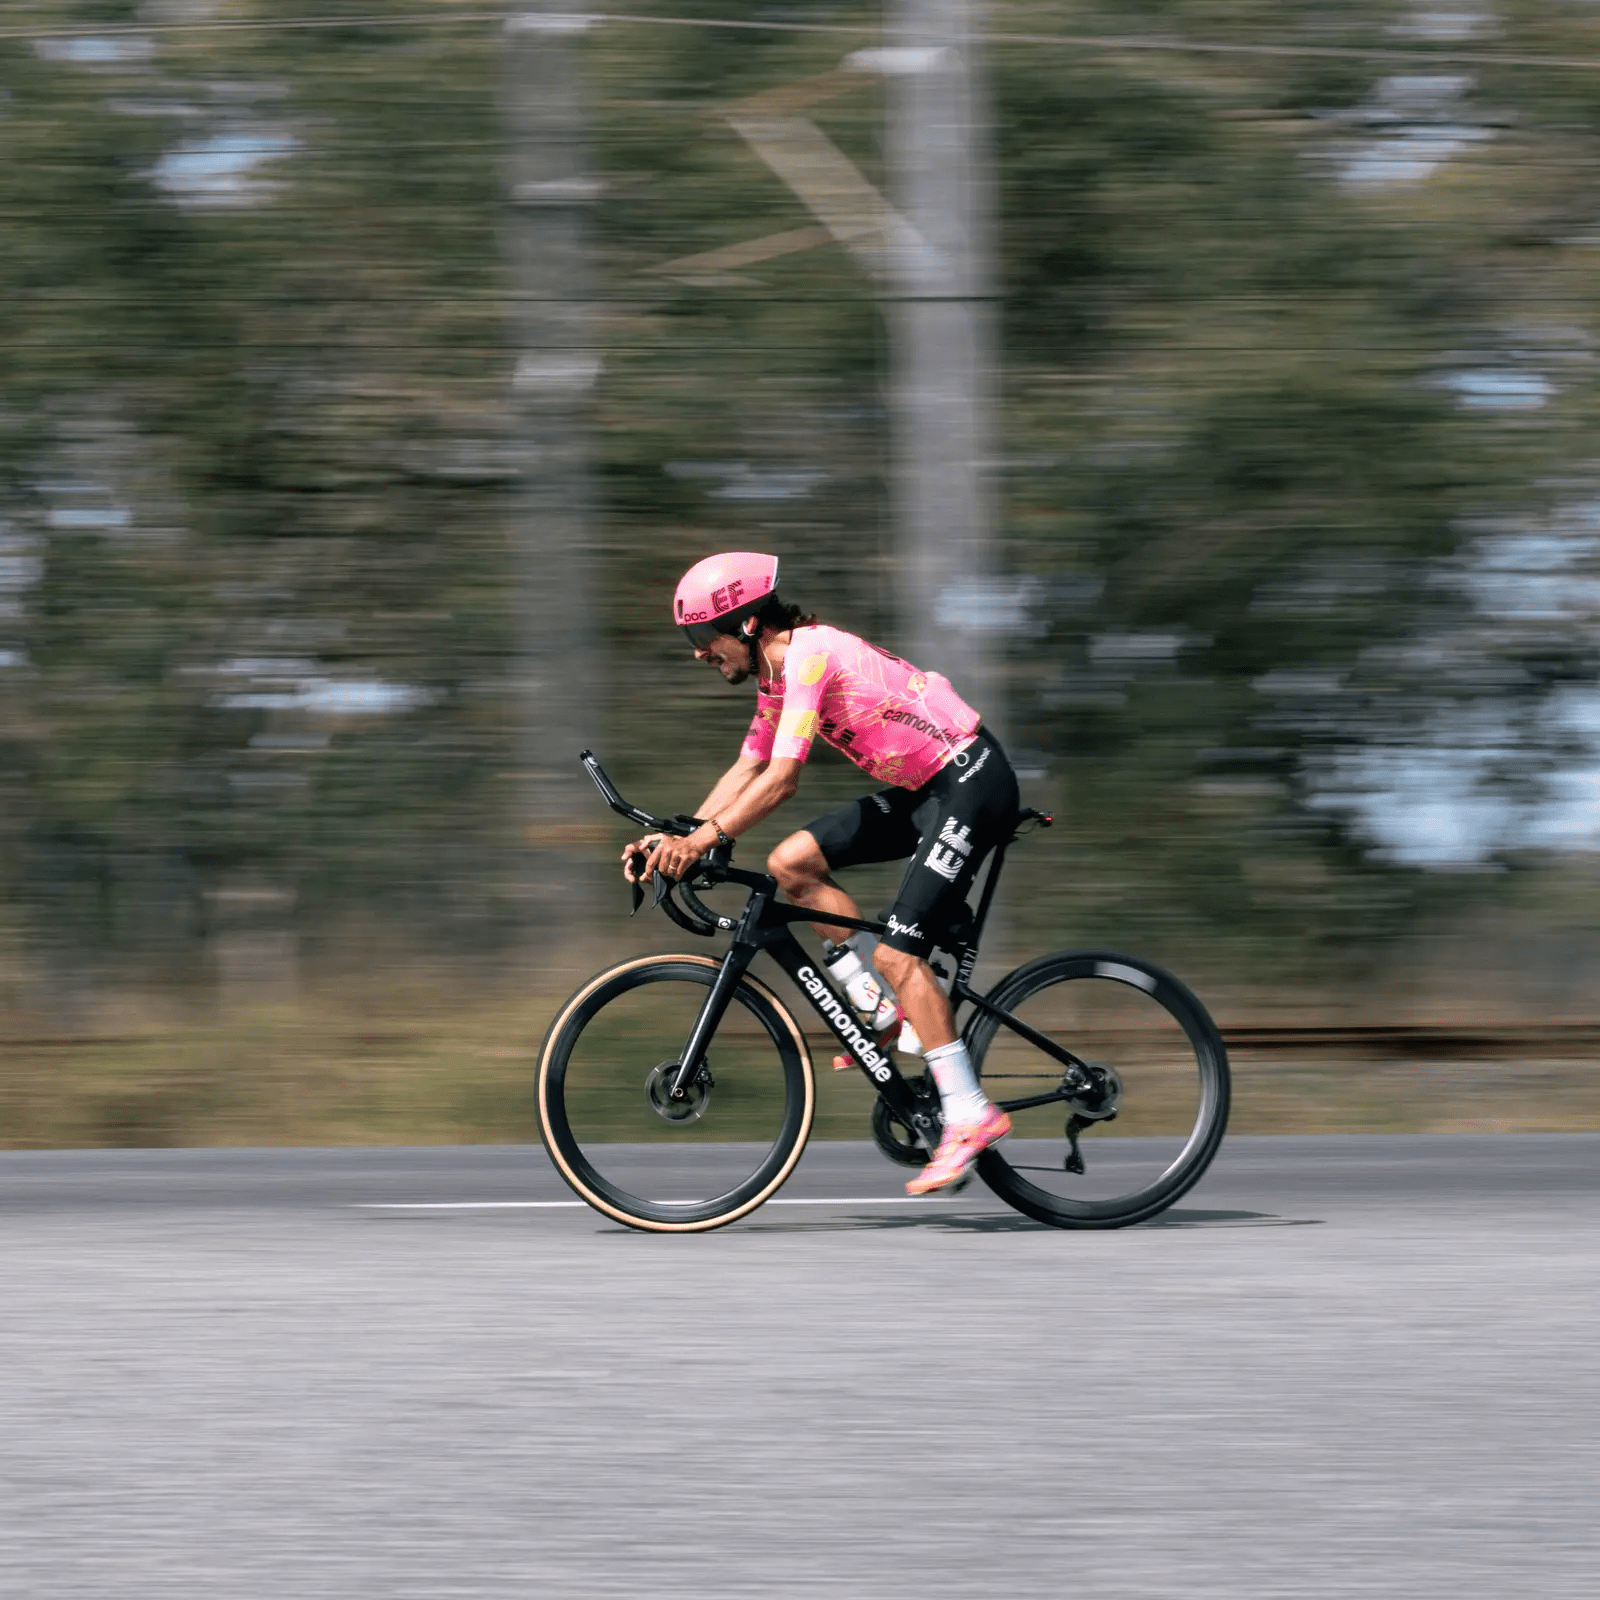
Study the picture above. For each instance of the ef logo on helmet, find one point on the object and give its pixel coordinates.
(717, 594)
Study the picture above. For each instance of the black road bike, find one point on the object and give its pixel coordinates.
(676, 1092)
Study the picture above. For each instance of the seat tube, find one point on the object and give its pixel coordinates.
(990, 883)
(734, 966)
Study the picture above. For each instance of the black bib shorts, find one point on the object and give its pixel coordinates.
(947, 827)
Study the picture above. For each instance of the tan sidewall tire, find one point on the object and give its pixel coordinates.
(552, 1040)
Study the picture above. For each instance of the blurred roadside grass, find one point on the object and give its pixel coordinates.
(321, 1076)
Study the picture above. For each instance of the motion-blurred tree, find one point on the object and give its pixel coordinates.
(258, 452)
(256, 463)
(1239, 314)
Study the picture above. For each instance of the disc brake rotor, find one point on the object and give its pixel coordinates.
(696, 1095)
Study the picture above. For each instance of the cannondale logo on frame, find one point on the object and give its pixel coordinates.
(845, 1025)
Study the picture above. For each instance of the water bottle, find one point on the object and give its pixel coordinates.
(864, 989)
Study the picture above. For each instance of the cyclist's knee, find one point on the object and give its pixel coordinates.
(797, 862)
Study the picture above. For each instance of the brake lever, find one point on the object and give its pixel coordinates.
(664, 888)
(636, 863)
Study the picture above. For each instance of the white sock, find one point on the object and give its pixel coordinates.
(960, 1098)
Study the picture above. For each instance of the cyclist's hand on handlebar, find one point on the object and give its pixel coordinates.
(636, 857)
(675, 858)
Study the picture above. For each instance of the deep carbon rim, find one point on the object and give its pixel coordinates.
(637, 1211)
(1211, 1116)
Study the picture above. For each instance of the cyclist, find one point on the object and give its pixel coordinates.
(950, 797)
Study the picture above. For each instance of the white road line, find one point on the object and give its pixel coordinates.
(553, 1205)
(462, 1205)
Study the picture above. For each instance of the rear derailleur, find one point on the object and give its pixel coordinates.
(1095, 1099)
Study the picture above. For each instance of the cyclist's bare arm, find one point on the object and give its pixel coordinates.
(728, 788)
(758, 799)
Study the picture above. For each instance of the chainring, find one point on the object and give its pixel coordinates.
(900, 1142)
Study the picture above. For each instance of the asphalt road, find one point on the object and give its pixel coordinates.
(1342, 1367)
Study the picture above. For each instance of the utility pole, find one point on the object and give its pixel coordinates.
(552, 193)
(943, 328)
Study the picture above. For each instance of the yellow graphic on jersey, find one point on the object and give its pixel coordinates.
(813, 669)
(797, 724)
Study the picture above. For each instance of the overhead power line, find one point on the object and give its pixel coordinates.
(145, 30)
(1113, 44)
(1119, 43)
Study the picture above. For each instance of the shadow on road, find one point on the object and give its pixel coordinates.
(1009, 1222)
(1180, 1218)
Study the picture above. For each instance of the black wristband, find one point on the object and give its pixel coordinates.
(722, 838)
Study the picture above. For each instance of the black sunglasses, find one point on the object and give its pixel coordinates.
(701, 634)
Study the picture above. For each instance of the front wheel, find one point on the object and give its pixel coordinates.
(608, 1117)
(1138, 1127)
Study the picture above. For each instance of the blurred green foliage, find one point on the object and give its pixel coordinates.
(258, 451)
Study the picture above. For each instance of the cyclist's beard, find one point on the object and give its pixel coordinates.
(738, 673)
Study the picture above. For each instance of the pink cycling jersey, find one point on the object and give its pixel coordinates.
(897, 724)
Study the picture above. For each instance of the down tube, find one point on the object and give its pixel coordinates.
(841, 1022)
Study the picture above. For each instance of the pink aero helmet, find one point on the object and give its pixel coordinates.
(715, 595)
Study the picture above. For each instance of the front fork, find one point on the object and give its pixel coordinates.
(734, 966)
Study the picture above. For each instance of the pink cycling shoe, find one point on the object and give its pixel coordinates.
(958, 1149)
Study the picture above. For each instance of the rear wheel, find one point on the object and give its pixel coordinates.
(1121, 1140)
(615, 1132)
